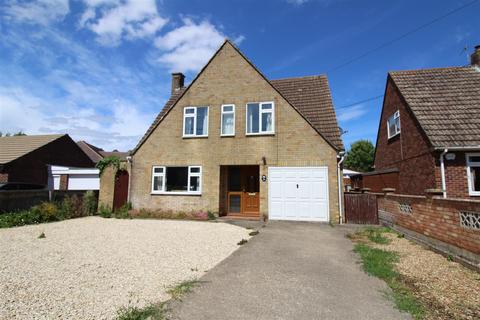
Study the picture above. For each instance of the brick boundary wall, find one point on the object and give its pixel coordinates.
(433, 221)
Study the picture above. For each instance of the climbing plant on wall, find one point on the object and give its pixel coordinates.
(112, 161)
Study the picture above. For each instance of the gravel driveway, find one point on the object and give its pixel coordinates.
(88, 268)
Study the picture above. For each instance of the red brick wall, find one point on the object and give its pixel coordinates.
(63, 182)
(433, 217)
(409, 151)
(455, 176)
(379, 181)
(3, 177)
(32, 168)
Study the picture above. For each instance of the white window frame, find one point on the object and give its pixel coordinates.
(260, 112)
(190, 174)
(394, 116)
(194, 116)
(221, 120)
(470, 164)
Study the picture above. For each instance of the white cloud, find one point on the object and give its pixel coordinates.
(351, 113)
(188, 48)
(114, 20)
(297, 2)
(41, 12)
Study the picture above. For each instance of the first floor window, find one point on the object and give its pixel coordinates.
(473, 172)
(260, 118)
(393, 124)
(176, 179)
(228, 120)
(195, 122)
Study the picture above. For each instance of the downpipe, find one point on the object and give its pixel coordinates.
(341, 155)
(442, 173)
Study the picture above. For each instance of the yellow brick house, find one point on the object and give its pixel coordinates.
(236, 143)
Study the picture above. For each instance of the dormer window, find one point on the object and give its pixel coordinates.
(393, 125)
(195, 122)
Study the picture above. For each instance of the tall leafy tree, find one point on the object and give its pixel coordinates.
(360, 156)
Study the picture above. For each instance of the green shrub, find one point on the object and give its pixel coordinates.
(105, 211)
(46, 211)
(123, 212)
(211, 215)
(65, 209)
(90, 203)
(21, 218)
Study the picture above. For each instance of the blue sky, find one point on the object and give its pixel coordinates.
(100, 69)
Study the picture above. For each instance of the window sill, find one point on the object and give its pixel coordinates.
(474, 194)
(227, 135)
(394, 136)
(260, 134)
(176, 193)
(195, 137)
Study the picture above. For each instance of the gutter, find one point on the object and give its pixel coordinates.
(341, 155)
(442, 173)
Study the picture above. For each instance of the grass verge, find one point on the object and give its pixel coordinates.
(156, 311)
(381, 263)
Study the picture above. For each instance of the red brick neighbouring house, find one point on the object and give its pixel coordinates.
(26, 159)
(430, 117)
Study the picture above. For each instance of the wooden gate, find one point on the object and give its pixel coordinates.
(361, 208)
(120, 193)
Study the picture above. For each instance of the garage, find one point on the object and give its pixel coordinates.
(298, 193)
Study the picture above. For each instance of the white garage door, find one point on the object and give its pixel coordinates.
(298, 193)
(83, 182)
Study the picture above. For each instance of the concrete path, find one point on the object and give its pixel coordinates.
(291, 270)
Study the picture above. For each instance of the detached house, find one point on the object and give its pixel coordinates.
(429, 132)
(237, 143)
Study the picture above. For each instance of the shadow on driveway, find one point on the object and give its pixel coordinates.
(291, 270)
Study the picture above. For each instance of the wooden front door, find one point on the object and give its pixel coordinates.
(243, 196)
(120, 192)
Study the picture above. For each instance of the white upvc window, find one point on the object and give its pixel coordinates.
(260, 118)
(473, 173)
(227, 126)
(393, 125)
(177, 180)
(195, 122)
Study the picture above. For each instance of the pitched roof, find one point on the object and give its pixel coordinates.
(119, 154)
(310, 96)
(91, 151)
(446, 103)
(14, 147)
(96, 154)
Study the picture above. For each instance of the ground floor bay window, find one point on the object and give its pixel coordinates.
(176, 180)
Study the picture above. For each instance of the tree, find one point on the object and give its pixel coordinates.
(360, 156)
(8, 134)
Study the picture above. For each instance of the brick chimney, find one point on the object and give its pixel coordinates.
(178, 80)
(475, 57)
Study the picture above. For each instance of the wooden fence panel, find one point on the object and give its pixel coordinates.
(361, 208)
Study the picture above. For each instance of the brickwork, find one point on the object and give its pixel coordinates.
(380, 181)
(435, 218)
(63, 182)
(3, 177)
(410, 152)
(228, 79)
